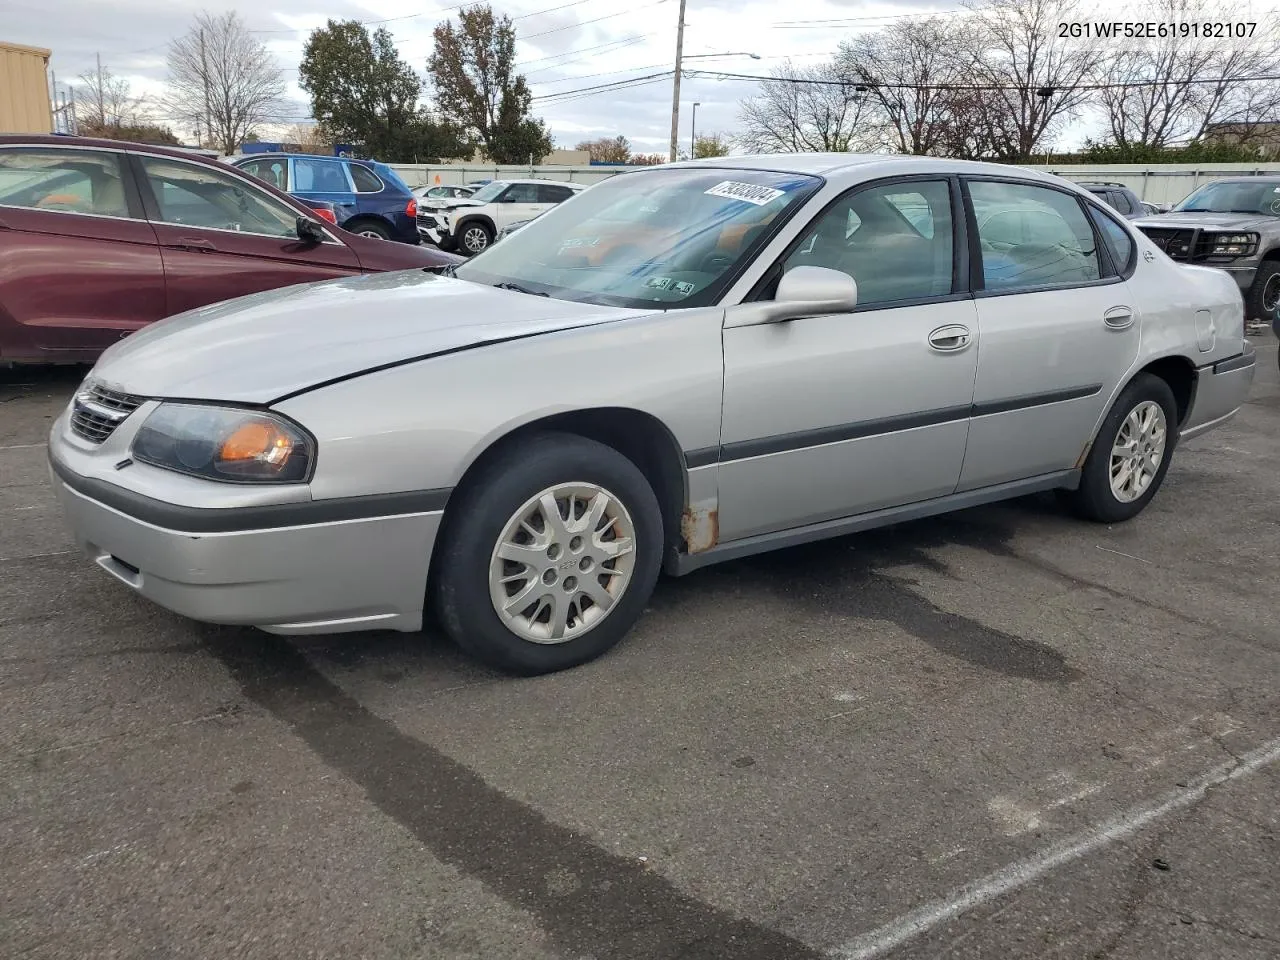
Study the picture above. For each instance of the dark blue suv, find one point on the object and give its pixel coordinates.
(368, 197)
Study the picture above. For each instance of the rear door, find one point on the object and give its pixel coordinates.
(324, 180)
(222, 237)
(79, 264)
(1059, 329)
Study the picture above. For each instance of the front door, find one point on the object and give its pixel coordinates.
(79, 264)
(831, 416)
(1059, 330)
(518, 202)
(221, 237)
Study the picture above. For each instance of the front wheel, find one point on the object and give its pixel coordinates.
(549, 555)
(1131, 453)
(1264, 296)
(474, 238)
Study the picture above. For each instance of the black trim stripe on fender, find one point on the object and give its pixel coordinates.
(838, 433)
(172, 516)
(1236, 363)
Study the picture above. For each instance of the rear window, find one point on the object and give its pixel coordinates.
(366, 180)
(389, 176)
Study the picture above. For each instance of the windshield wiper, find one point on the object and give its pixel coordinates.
(519, 289)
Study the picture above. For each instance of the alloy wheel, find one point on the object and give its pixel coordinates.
(475, 239)
(562, 562)
(1271, 294)
(1138, 451)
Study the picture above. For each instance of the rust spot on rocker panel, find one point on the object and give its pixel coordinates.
(700, 526)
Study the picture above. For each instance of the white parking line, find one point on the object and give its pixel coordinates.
(23, 446)
(910, 925)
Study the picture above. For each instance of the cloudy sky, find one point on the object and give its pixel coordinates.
(564, 45)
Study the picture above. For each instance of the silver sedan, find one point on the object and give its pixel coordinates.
(680, 365)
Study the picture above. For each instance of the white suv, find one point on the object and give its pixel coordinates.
(470, 224)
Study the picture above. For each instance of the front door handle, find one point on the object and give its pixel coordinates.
(1118, 318)
(950, 338)
(195, 243)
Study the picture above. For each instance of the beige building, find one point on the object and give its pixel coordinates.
(24, 89)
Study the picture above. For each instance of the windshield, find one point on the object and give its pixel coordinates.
(489, 192)
(1234, 196)
(652, 238)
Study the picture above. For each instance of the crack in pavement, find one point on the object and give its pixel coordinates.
(590, 902)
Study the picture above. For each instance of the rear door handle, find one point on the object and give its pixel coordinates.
(950, 338)
(1118, 318)
(194, 243)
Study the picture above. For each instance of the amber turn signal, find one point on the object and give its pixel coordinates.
(257, 440)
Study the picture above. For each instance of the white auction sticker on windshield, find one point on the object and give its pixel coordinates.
(732, 190)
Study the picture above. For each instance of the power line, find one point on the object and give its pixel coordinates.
(615, 85)
(628, 86)
(1065, 88)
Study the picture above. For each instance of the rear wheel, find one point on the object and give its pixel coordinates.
(549, 555)
(370, 228)
(1131, 454)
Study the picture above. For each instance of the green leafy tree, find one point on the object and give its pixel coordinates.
(476, 86)
(363, 92)
(711, 145)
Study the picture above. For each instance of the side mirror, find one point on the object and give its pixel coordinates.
(309, 231)
(802, 292)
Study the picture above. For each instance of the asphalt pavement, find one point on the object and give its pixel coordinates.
(1002, 733)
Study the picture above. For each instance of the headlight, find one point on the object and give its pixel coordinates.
(1232, 244)
(224, 443)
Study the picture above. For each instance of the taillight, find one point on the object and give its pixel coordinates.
(411, 209)
(324, 214)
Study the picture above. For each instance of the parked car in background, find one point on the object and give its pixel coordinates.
(370, 198)
(1233, 225)
(775, 354)
(470, 224)
(444, 192)
(99, 238)
(1117, 196)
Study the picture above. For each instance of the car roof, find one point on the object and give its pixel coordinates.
(102, 143)
(559, 183)
(857, 166)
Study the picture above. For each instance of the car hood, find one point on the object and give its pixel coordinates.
(452, 204)
(265, 346)
(1210, 221)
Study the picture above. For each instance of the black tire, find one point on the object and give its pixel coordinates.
(1266, 287)
(1094, 499)
(469, 234)
(374, 229)
(447, 244)
(475, 521)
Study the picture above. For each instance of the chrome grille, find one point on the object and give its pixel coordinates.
(97, 411)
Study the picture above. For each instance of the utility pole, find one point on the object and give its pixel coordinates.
(675, 91)
(693, 133)
(102, 95)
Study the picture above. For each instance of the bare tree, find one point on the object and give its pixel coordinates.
(1171, 89)
(310, 137)
(908, 71)
(803, 109)
(223, 81)
(1042, 79)
(105, 101)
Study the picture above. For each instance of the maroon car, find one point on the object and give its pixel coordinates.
(101, 237)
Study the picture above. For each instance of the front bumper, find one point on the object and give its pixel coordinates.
(1221, 389)
(1243, 274)
(433, 228)
(250, 565)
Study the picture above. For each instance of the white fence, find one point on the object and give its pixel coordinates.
(434, 175)
(1156, 182)
(1161, 182)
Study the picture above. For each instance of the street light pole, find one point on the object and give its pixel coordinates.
(675, 91)
(693, 133)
